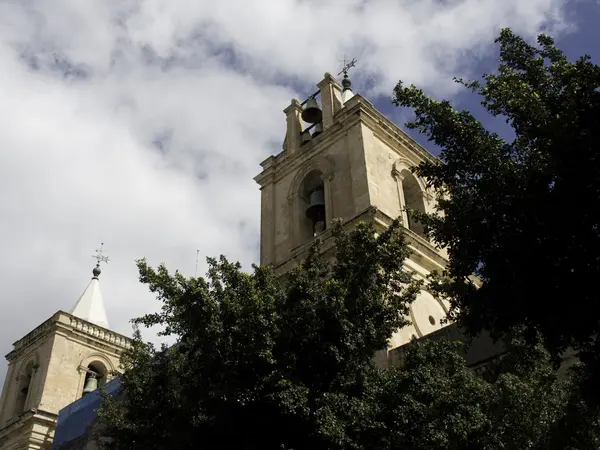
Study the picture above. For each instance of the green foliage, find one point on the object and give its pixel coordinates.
(434, 401)
(261, 364)
(258, 363)
(523, 215)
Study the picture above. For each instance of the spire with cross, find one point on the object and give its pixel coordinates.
(99, 257)
(90, 305)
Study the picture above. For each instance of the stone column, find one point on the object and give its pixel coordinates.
(327, 177)
(80, 384)
(403, 213)
(268, 217)
(32, 385)
(331, 98)
(294, 127)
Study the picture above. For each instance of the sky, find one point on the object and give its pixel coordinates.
(141, 123)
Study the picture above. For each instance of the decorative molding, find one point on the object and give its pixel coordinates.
(33, 357)
(402, 164)
(397, 175)
(381, 125)
(31, 337)
(423, 252)
(93, 357)
(115, 341)
(322, 164)
(99, 332)
(356, 110)
(281, 165)
(37, 415)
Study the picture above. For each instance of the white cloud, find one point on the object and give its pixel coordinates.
(77, 163)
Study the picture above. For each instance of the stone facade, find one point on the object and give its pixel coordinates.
(362, 162)
(47, 370)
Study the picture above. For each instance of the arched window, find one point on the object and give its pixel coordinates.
(413, 201)
(312, 205)
(95, 377)
(23, 388)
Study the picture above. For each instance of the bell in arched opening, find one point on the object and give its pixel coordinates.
(315, 210)
(311, 112)
(91, 382)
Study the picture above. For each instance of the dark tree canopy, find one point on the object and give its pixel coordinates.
(523, 215)
(259, 364)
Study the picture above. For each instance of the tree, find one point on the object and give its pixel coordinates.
(522, 214)
(433, 401)
(261, 364)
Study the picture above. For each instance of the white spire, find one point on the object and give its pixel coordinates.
(90, 305)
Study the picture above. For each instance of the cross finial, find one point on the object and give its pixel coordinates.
(347, 67)
(100, 257)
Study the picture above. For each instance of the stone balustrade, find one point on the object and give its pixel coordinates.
(99, 333)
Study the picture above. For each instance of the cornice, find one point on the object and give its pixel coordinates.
(34, 336)
(284, 164)
(66, 323)
(377, 122)
(357, 110)
(79, 326)
(37, 415)
(423, 252)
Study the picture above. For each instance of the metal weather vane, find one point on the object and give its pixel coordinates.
(99, 256)
(347, 67)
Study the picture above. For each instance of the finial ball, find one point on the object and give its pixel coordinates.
(97, 271)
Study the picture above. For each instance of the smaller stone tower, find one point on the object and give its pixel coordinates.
(67, 356)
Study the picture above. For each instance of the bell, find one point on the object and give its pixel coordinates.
(318, 129)
(316, 208)
(311, 112)
(91, 384)
(318, 228)
(305, 137)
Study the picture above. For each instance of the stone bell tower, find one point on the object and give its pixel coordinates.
(344, 159)
(64, 358)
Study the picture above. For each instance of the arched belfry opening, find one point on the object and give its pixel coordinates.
(312, 205)
(413, 201)
(95, 377)
(24, 387)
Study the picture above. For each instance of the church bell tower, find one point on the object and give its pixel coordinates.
(344, 159)
(63, 359)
